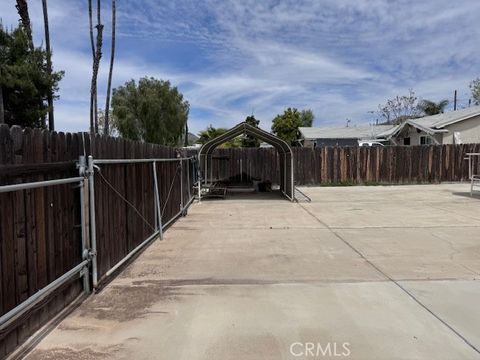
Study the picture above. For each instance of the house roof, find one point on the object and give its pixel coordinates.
(351, 132)
(441, 120)
(437, 123)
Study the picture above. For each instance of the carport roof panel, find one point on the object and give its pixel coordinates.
(244, 128)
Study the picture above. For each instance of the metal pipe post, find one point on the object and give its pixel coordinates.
(86, 275)
(157, 201)
(155, 207)
(470, 172)
(93, 229)
(188, 180)
(181, 185)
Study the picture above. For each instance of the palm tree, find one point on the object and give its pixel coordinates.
(97, 55)
(429, 107)
(51, 121)
(92, 99)
(22, 9)
(110, 72)
(210, 133)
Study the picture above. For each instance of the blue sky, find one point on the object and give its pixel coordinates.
(231, 58)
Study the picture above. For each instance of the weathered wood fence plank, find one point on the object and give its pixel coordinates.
(40, 235)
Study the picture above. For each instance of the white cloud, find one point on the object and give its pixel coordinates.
(341, 58)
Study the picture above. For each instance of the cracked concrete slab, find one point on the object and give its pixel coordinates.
(247, 278)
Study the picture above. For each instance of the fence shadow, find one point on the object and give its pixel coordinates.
(467, 194)
(249, 195)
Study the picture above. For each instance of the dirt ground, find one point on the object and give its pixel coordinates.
(358, 273)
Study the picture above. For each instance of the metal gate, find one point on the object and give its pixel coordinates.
(80, 270)
(98, 182)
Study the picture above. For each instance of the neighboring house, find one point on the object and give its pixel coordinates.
(341, 136)
(454, 127)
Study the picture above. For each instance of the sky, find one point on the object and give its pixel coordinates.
(340, 58)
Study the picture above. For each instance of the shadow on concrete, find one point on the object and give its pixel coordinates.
(467, 194)
(249, 195)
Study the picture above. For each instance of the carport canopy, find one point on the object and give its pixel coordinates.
(283, 148)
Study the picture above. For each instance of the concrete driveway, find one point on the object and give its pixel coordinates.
(358, 273)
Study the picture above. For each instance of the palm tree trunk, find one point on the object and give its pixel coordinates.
(51, 121)
(110, 72)
(97, 55)
(92, 102)
(22, 9)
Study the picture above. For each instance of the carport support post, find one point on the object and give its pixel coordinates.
(93, 230)
(199, 182)
(205, 172)
(157, 201)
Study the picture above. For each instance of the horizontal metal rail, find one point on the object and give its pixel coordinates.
(159, 226)
(133, 252)
(135, 161)
(38, 184)
(21, 309)
(146, 241)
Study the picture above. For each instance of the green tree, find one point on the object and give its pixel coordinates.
(475, 87)
(286, 126)
(307, 118)
(249, 141)
(429, 107)
(25, 81)
(211, 133)
(152, 111)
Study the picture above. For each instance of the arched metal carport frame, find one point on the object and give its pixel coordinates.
(283, 148)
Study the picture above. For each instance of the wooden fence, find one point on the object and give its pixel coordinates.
(40, 233)
(352, 165)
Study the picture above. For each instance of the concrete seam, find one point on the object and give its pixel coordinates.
(394, 282)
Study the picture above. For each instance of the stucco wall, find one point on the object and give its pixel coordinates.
(469, 131)
(414, 136)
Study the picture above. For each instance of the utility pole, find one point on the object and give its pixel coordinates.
(185, 141)
(2, 110)
(455, 101)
